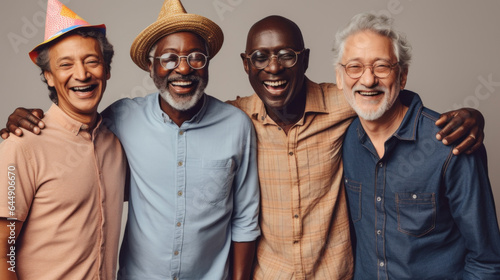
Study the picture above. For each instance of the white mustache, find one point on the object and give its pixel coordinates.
(363, 88)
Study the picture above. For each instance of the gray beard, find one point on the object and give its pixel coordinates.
(183, 103)
(179, 103)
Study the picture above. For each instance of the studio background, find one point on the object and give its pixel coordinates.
(456, 61)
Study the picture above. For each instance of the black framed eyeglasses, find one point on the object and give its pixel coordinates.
(380, 69)
(286, 57)
(195, 60)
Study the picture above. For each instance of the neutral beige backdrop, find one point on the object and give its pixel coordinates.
(456, 45)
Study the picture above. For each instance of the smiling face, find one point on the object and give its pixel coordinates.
(276, 85)
(371, 97)
(183, 86)
(79, 75)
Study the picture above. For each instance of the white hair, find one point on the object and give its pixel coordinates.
(380, 24)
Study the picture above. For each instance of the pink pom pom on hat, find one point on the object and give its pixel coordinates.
(59, 21)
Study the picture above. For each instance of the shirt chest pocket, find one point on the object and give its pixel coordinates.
(212, 180)
(416, 213)
(353, 191)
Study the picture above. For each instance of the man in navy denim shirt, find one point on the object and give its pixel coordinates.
(418, 212)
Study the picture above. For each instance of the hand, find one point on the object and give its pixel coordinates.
(459, 123)
(30, 119)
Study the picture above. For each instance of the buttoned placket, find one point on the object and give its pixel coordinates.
(295, 215)
(380, 219)
(89, 140)
(180, 205)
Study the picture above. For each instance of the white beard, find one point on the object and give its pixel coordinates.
(384, 106)
(180, 103)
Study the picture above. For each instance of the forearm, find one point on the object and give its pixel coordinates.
(9, 230)
(242, 259)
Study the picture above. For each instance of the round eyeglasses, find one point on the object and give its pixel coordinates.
(286, 57)
(380, 69)
(195, 60)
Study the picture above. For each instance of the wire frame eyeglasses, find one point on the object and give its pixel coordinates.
(286, 57)
(380, 69)
(195, 60)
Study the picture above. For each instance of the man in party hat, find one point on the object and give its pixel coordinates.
(61, 195)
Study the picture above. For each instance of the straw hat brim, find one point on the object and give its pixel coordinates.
(205, 28)
(34, 53)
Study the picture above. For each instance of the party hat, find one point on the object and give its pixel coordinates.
(59, 21)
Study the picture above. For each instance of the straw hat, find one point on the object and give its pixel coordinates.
(173, 18)
(59, 21)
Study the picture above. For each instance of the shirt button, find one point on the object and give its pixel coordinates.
(176, 253)
(181, 132)
(382, 264)
(290, 153)
(179, 193)
(262, 118)
(296, 216)
(295, 241)
(414, 196)
(179, 163)
(178, 224)
(380, 165)
(379, 232)
(379, 198)
(279, 128)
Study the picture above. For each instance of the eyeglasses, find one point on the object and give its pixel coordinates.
(380, 69)
(195, 60)
(286, 57)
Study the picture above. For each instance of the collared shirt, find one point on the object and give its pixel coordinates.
(69, 187)
(419, 212)
(304, 222)
(194, 188)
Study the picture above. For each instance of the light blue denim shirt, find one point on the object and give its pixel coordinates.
(419, 212)
(193, 188)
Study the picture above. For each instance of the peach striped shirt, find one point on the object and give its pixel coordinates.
(304, 220)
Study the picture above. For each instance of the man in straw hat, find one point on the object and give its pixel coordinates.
(300, 126)
(61, 195)
(194, 193)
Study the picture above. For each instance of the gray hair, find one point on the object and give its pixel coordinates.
(380, 24)
(43, 60)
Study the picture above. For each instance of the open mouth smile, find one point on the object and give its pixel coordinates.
(84, 88)
(275, 87)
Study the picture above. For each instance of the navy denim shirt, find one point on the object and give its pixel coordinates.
(419, 212)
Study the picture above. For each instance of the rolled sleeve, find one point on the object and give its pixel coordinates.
(245, 220)
(17, 176)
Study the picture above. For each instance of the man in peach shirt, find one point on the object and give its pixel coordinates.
(61, 196)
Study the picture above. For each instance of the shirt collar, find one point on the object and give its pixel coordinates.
(69, 124)
(315, 103)
(408, 128)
